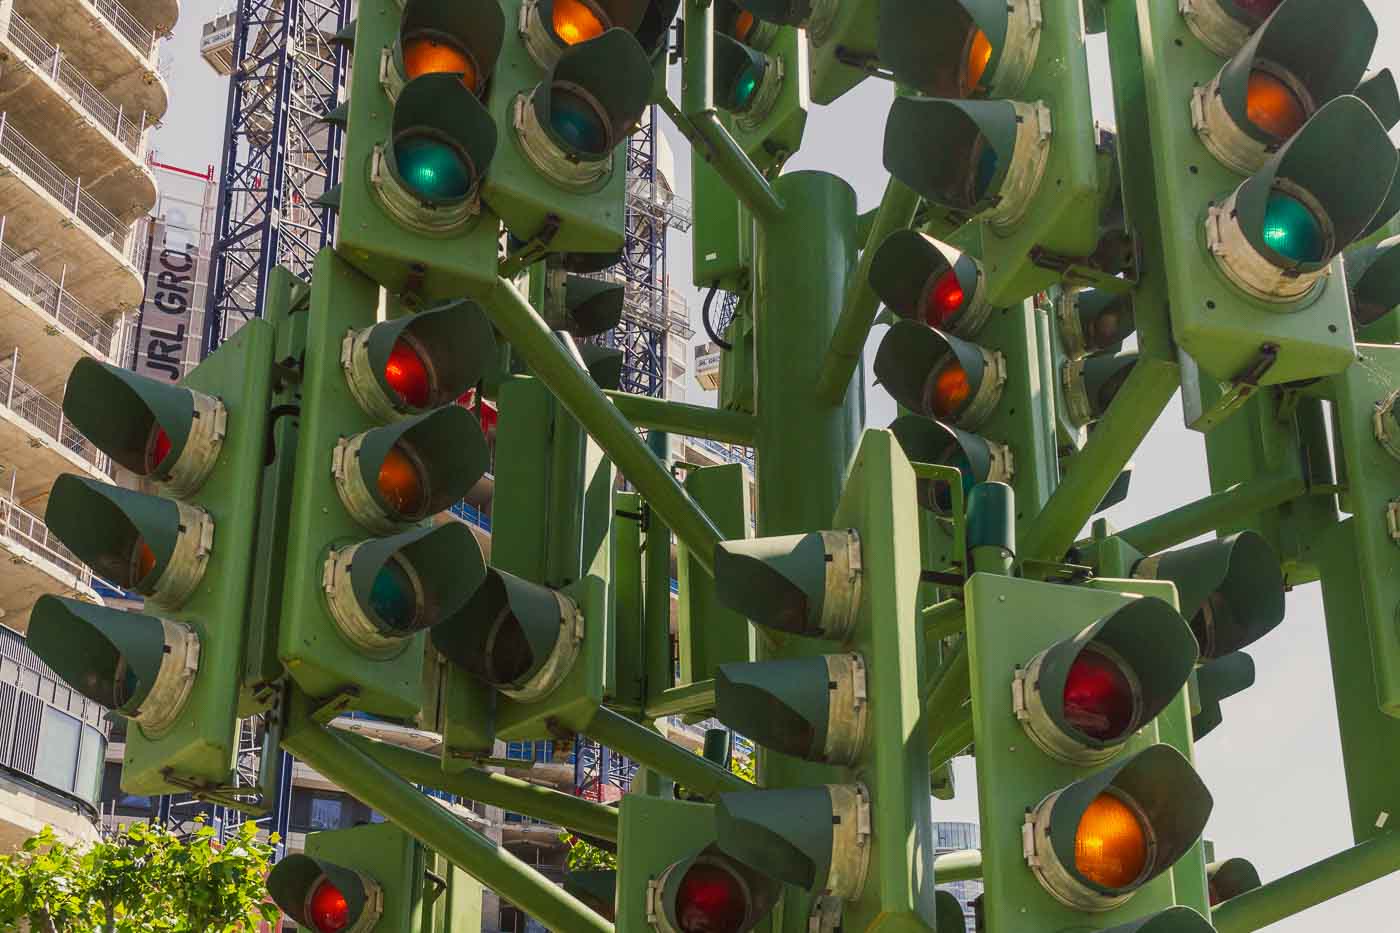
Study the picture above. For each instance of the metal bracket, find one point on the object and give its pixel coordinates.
(336, 704)
(1240, 389)
(868, 62)
(1049, 571)
(222, 794)
(533, 249)
(1392, 519)
(1080, 271)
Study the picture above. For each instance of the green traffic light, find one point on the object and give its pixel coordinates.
(1293, 231)
(393, 596)
(577, 122)
(745, 86)
(432, 168)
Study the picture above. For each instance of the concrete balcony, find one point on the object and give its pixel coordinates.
(160, 15)
(107, 43)
(37, 443)
(52, 329)
(35, 563)
(48, 210)
(48, 99)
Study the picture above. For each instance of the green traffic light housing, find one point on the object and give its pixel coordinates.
(1231, 878)
(396, 475)
(979, 158)
(1230, 589)
(1091, 382)
(1276, 235)
(1225, 25)
(1171, 920)
(1092, 844)
(427, 175)
(747, 82)
(1093, 321)
(155, 546)
(166, 432)
(921, 279)
(812, 708)
(418, 362)
(978, 459)
(325, 897)
(520, 637)
(961, 48)
(1265, 94)
(740, 24)
(710, 891)
(1215, 681)
(137, 665)
(604, 365)
(806, 584)
(569, 125)
(383, 590)
(938, 375)
(1373, 275)
(1082, 699)
(790, 12)
(817, 838)
(453, 37)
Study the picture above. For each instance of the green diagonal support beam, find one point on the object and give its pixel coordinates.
(656, 753)
(497, 790)
(531, 338)
(1219, 510)
(403, 804)
(657, 414)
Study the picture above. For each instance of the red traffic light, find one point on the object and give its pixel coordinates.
(1099, 697)
(711, 899)
(945, 298)
(407, 374)
(327, 907)
(157, 449)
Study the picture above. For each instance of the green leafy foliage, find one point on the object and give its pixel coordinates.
(585, 856)
(144, 879)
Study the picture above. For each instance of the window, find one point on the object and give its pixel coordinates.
(57, 763)
(90, 763)
(325, 813)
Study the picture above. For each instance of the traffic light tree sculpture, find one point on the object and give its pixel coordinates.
(906, 594)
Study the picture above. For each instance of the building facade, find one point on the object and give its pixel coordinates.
(80, 90)
(955, 837)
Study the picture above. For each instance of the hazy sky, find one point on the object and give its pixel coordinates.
(1274, 767)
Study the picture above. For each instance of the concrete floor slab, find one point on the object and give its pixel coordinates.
(32, 563)
(31, 452)
(50, 328)
(114, 49)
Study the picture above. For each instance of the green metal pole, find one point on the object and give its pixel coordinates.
(804, 267)
(528, 334)
(1310, 886)
(717, 424)
(896, 212)
(657, 754)
(367, 780)
(656, 595)
(1225, 508)
(682, 701)
(1092, 471)
(701, 124)
(947, 691)
(963, 865)
(497, 790)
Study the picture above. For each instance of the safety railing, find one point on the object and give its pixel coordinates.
(45, 415)
(24, 528)
(52, 299)
(51, 61)
(137, 33)
(69, 192)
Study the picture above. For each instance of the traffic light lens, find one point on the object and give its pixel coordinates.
(984, 166)
(157, 449)
(979, 56)
(1273, 106)
(327, 908)
(407, 374)
(1098, 697)
(745, 85)
(1259, 8)
(1110, 845)
(945, 298)
(577, 121)
(127, 683)
(743, 25)
(576, 21)
(951, 389)
(431, 168)
(710, 900)
(401, 483)
(143, 561)
(428, 56)
(1291, 230)
(394, 598)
